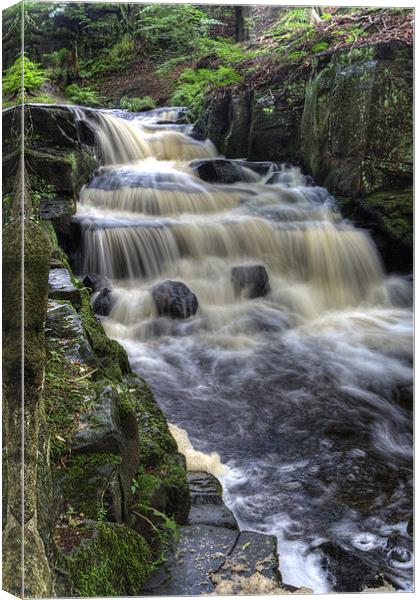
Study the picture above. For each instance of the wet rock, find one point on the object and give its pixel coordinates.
(410, 526)
(174, 299)
(275, 122)
(404, 396)
(254, 552)
(202, 549)
(85, 133)
(346, 571)
(55, 168)
(96, 282)
(64, 323)
(261, 167)
(61, 287)
(103, 303)
(52, 125)
(220, 170)
(204, 488)
(207, 506)
(252, 280)
(99, 429)
(56, 208)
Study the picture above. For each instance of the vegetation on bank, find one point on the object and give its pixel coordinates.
(138, 56)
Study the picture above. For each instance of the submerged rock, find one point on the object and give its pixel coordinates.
(252, 280)
(174, 299)
(104, 302)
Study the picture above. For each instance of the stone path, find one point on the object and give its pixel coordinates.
(211, 548)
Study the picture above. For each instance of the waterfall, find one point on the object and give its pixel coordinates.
(297, 389)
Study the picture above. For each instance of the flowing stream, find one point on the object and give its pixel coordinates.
(298, 391)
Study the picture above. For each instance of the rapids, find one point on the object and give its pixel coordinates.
(299, 392)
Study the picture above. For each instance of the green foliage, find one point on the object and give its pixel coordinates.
(354, 33)
(85, 96)
(33, 77)
(319, 47)
(137, 104)
(226, 50)
(165, 28)
(297, 55)
(193, 86)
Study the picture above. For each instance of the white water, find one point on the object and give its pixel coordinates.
(294, 391)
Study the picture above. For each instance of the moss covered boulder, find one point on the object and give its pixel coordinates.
(111, 560)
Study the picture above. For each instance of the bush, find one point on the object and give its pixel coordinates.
(33, 78)
(110, 60)
(193, 85)
(137, 104)
(171, 28)
(85, 96)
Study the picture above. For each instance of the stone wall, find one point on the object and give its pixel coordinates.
(99, 457)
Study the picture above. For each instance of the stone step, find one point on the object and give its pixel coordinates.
(61, 287)
(211, 549)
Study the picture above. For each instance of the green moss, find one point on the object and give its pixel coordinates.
(144, 485)
(394, 211)
(155, 438)
(114, 562)
(67, 394)
(111, 356)
(84, 481)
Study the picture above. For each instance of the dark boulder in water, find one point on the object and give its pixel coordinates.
(103, 302)
(347, 572)
(96, 282)
(252, 280)
(174, 299)
(220, 170)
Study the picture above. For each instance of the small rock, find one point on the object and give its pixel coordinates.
(174, 299)
(252, 280)
(103, 303)
(96, 282)
(61, 287)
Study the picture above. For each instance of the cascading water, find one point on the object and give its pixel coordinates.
(299, 390)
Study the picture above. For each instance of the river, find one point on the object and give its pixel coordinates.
(300, 390)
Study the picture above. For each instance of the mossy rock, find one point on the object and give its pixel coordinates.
(89, 484)
(159, 456)
(111, 356)
(388, 215)
(115, 561)
(356, 129)
(52, 126)
(394, 211)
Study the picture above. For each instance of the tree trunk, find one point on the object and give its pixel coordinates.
(241, 29)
